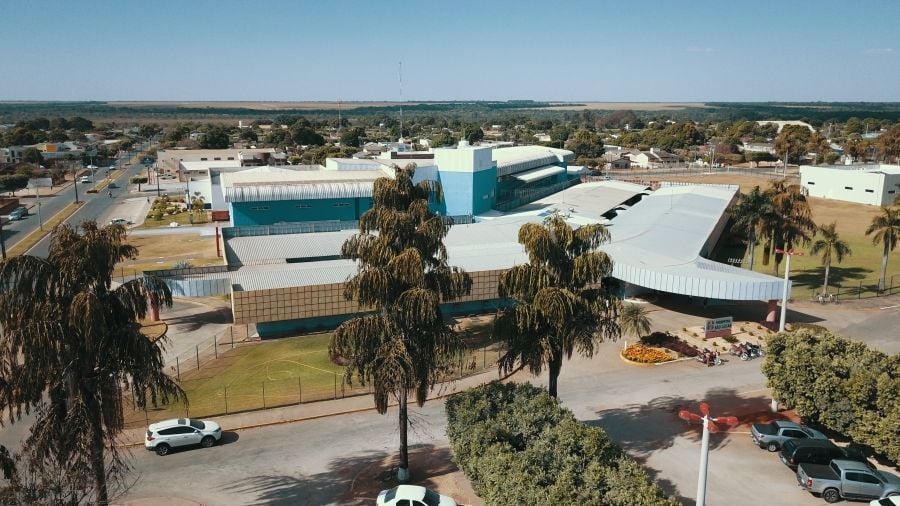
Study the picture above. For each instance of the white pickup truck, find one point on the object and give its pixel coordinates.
(847, 479)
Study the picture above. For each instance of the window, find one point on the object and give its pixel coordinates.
(342, 204)
(303, 206)
(197, 424)
(183, 430)
(168, 432)
(870, 191)
(811, 182)
(231, 158)
(848, 187)
(204, 159)
(262, 208)
(795, 433)
(863, 478)
(891, 191)
(217, 158)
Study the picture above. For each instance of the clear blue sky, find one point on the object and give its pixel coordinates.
(639, 50)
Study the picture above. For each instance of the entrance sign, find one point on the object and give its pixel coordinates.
(718, 327)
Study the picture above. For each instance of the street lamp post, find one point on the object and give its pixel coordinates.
(709, 425)
(784, 291)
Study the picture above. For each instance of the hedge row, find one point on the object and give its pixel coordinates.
(838, 383)
(517, 445)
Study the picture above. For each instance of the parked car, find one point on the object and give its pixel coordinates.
(412, 495)
(85, 180)
(846, 479)
(166, 177)
(119, 221)
(18, 213)
(772, 435)
(817, 451)
(178, 432)
(893, 500)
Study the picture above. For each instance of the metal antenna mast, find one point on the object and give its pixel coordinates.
(401, 101)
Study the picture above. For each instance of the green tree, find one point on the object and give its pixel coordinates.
(634, 320)
(215, 138)
(819, 145)
(889, 144)
(13, 182)
(831, 246)
(248, 134)
(304, 135)
(352, 137)
(404, 346)
(562, 300)
(751, 214)
(792, 142)
(138, 180)
(473, 134)
(885, 229)
(32, 155)
(587, 146)
(72, 342)
(81, 124)
(791, 222)
(197, 202)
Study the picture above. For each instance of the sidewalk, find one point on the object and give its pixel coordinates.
(319, 409)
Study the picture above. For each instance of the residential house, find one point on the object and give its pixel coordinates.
(653, 159)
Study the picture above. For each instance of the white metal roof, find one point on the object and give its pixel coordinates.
(539, 173)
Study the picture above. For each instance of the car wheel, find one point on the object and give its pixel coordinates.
(207, 442)
(772, 447)
(162, 449)
(831, 495)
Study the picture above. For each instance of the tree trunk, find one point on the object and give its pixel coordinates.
(98, 466)
(884, 262)
(752, 246)
(827, 270)
(403, 468)
(555, 367)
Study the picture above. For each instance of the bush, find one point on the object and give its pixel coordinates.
(157, 215)
(171, 210)
(840, 384)
(645, 355)
(517, 445)
(731, 339)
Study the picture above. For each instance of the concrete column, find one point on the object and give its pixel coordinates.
(772, 314)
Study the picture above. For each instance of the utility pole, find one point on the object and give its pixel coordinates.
(784, 291)
(2, 241)
(709, 425)
(75, 183)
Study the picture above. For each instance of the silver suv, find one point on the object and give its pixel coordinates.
(177, 432)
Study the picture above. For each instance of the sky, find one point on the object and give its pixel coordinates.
(636, 50)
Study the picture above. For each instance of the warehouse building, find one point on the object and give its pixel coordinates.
(874, 185)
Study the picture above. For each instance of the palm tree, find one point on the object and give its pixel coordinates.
(633, 319)
(562, 301)
(790, 224)
(831, 246)
(70, 338)
(885, 229)
(403, 346)
(751, 214)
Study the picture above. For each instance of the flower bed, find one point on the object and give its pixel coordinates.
(670, 342)
(645, 355)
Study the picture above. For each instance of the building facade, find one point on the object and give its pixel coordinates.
(874, 185)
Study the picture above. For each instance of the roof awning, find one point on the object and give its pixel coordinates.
(539, 173)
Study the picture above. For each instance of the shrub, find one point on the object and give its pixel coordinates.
(157, 215)
(694, 334)
(731, 339)
(171, 210)
(182, 264)
(517, 445)
(645, 355)
(841, 384)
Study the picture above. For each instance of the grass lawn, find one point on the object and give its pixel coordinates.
(180, 218)
(163, 251)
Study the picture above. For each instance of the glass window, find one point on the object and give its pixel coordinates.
(197, 424)
(390, 495)
(432, 498)
(795, 433)
(168, 432)
(862, 478)
(181, 421)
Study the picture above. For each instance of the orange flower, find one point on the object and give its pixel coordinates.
(645, 355)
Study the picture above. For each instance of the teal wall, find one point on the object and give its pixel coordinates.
(245, 214)
(468, 192)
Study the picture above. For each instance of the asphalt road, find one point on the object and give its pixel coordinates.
(95, 205)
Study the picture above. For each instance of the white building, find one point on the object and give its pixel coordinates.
(875, 185)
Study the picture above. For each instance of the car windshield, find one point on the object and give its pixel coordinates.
(389, 496)
(431, 498)
(197, 424)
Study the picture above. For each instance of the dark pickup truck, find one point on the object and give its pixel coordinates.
(846, 479)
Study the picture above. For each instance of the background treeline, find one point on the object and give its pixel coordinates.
(517, 445)
(841, 384)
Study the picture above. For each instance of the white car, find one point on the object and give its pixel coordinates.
(119, 221)
(85, 180)
(412, 495)
(893, 500)
(177, 432)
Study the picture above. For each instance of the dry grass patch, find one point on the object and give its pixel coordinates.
(164, 251)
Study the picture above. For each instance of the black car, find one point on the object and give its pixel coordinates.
(817, 451)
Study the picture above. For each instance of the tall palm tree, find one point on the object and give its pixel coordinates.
(751, 214)
(885, 229)
(832, 247)
(790, 223)
(70, 338)
(403, 346)
(562, 300)
(633, 320)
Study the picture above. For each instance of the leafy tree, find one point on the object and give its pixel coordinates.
(215, 138)
(831, 246)
(305, 135)
(32, 155)
(561, 298)
(404, 346)
(57, 135)
(138, 180)
(853, 126)
(72, 342)
(248, 134)
(517, 445)
(442, 139)
(59, 124)
(634, 320)
(819, 145)
(81, 124)
(885, 229)
(352, 137)
(587, 145)
(19, 137)
(889, 144)
(751, 215)
(278, 136)
(197, 202)
(792, 141)
(13, 182)
(473, 134)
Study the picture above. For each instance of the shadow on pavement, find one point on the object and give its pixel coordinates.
(354, 480)
(749, 311)
(192, 322)
(228, 437)
(644, 429)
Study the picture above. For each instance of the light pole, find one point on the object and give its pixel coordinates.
(787, 274)
(709, 425)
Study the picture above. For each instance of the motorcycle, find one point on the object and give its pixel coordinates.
(710, 358)
(741, 351)
(754, 350)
